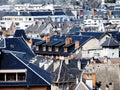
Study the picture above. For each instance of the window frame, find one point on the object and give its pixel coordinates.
(13, 75)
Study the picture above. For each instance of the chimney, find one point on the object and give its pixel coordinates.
(5, 32)
(81, 12)
(47, 38)
(31, 42)
(77, 44)
(94, 12)
(110, 13)
(68, 41)
(90, 79)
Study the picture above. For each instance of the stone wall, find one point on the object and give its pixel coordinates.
(107, 74)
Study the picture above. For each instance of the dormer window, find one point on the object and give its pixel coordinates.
(65, 49)
(44, 48)
(13, 75)
(37, 48)
(50, 48)
(56, 49)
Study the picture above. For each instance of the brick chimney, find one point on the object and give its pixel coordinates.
(77, 44)
(90, 77)
(5, 33)
(94, 12)
(47, 38)
(68, 41)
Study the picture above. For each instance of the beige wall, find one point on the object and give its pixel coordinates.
(106, 73)
(103, 39)
(91, 44)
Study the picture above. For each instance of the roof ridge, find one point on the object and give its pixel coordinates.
(109, 39)
(60, 70)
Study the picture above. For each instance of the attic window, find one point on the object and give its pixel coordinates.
(50, 48)
(37, 48)
(13, 75)
(56, 49)
(65, 49)
(44, 48)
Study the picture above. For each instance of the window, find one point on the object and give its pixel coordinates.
(2, 76)
(56, 49)
(50, 48)
(21, 76)
(2, 22)
(37, 48)
(13, 75)
(44, 48)
(65, 49)
(16, 23)
(26, 25)
(29, 19)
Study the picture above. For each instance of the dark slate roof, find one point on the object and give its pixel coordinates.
(59, 13)
(0, 33)
(75, 29)
(110, 42)
(39, 27)
(45, 13)
(67, 73)
(54, 42)
(97, 35)
(34, 28)
(33, 13)
(18, 44)
(84, 62)
(69, 13)
(23, 13)
(70, 71)
(39, 43)
(115, 35)
(59, 41)
(35, 75)
(10, 14)
(69, 44)
(2, 43)
(20, 33)
(81, 39)
(60, 44)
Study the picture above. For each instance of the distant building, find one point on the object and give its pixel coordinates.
(110, 48)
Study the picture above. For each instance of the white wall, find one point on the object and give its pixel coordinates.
(109, 52)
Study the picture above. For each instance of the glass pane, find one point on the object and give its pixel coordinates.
(2, 77)
(21, 76)
(10, 77)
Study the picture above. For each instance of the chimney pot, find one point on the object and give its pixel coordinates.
(77, 44)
